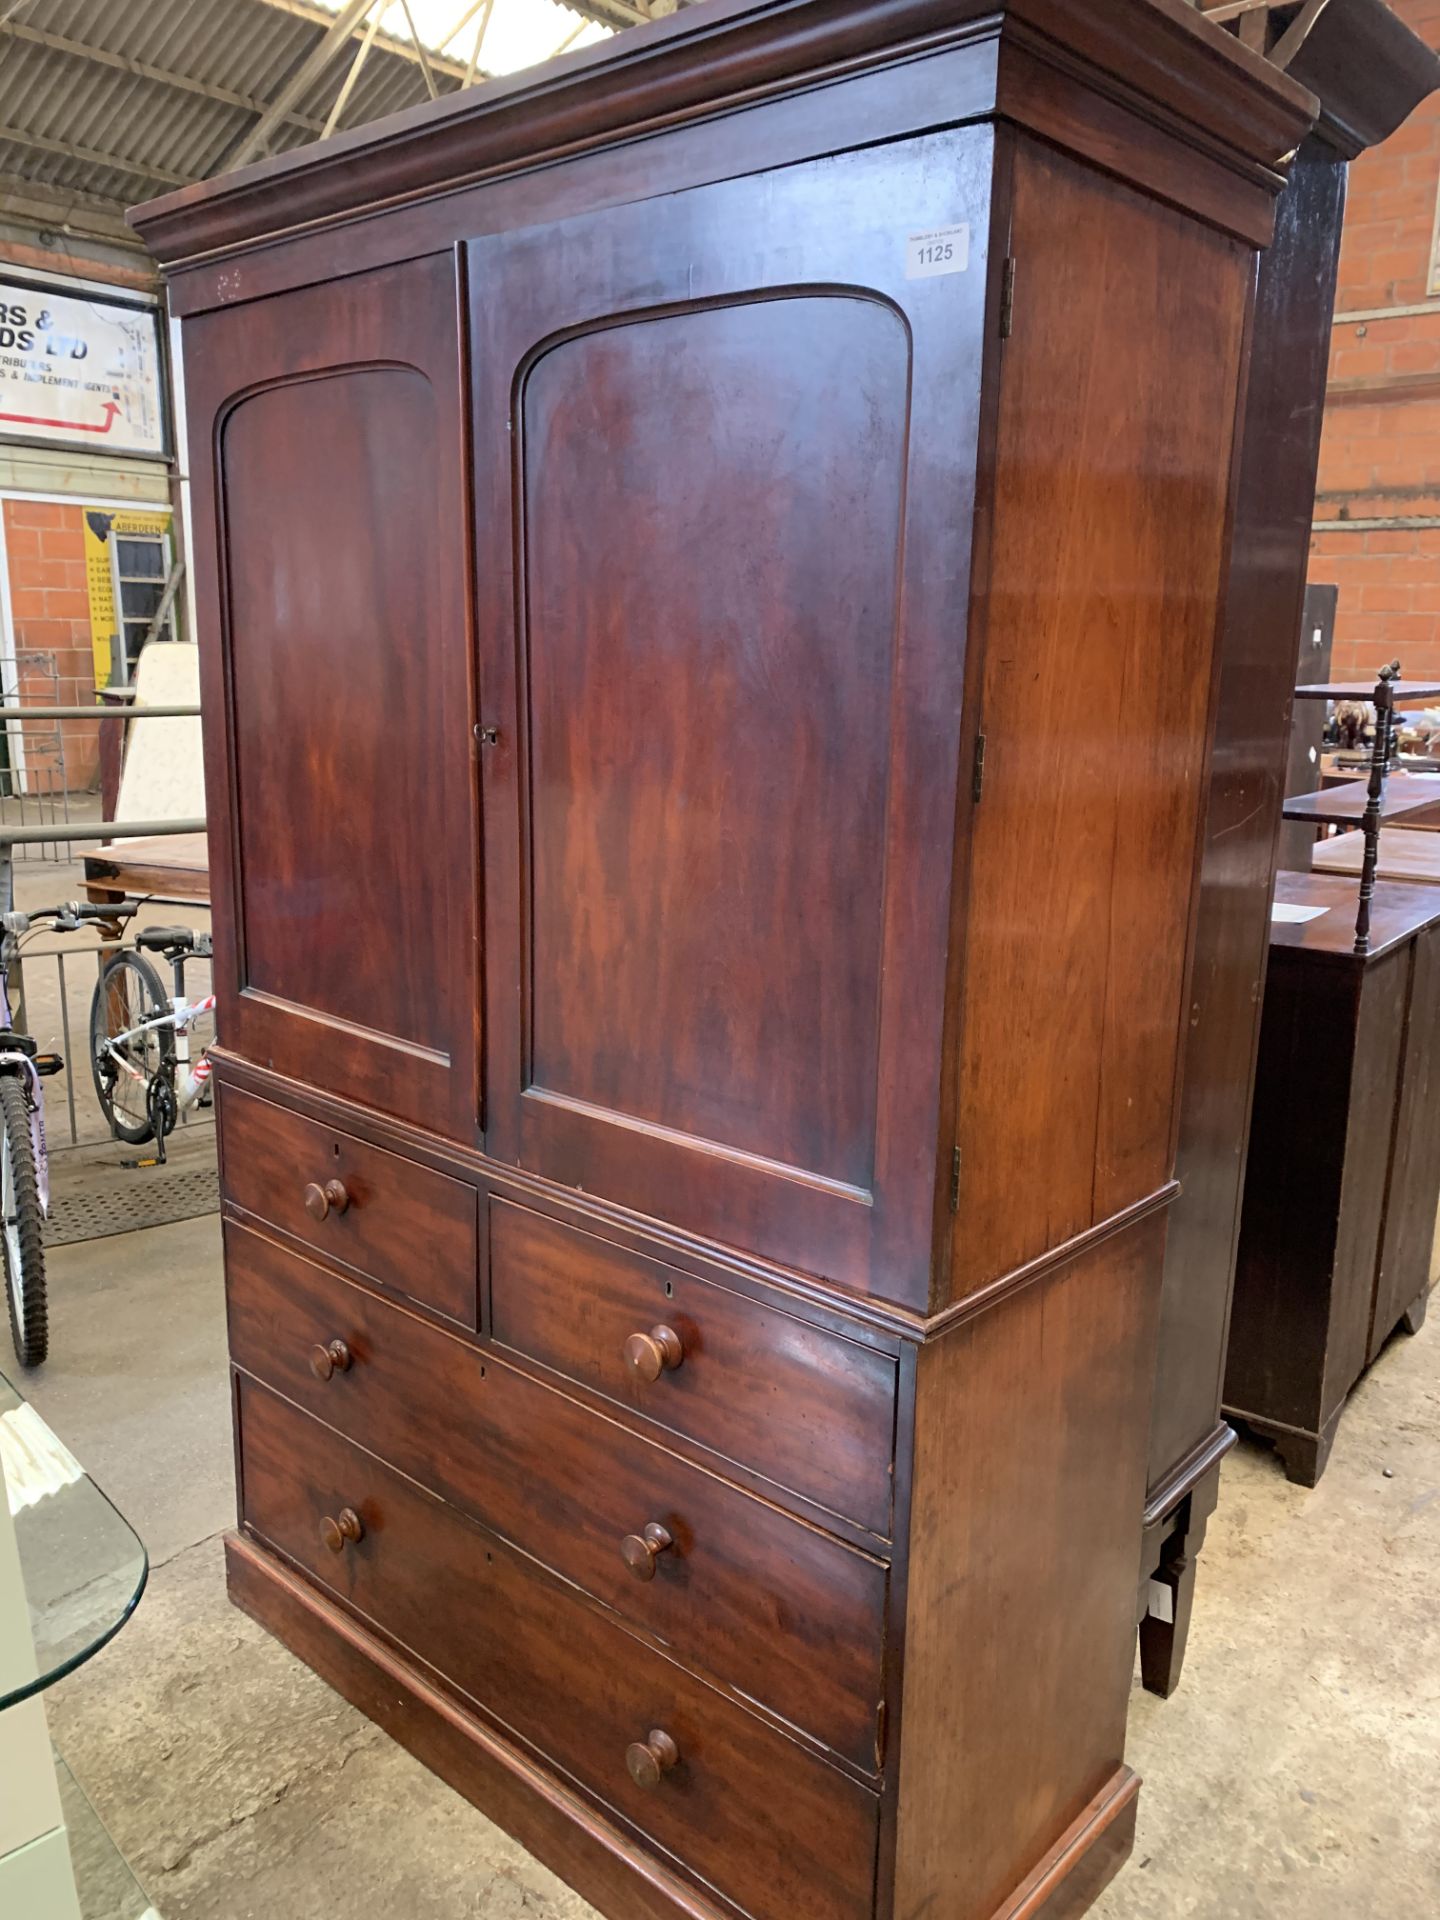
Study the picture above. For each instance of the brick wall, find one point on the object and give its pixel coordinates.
(72, 259)
(1380, 451)
(50, 611)
(45, 548)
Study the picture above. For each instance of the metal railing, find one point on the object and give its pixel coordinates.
(59, 834)
(99, 831)
(34, 776)
(35, 797)
(85, 1123)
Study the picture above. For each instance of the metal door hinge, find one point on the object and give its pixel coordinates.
(1007, 298)
(955, 1181)
(487, 736)
(977, 774)
(880, 1736)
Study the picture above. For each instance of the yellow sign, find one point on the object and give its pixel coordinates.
(102, 526)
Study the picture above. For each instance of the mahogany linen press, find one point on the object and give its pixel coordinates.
(709, 557)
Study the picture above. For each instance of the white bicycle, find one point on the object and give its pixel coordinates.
(140, 1038)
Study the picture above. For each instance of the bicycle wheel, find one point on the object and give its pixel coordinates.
(125, 1062)
(20, 1227)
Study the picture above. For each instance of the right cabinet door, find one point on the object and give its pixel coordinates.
(725, 448)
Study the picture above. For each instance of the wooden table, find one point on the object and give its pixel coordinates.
(1406, 854)
(1343, 1177)
(175, 866)
(1412, 798)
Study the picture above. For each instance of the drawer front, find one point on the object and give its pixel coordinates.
(810, 1410)
(775, 1829)
(763, 1602)
(388, 1218)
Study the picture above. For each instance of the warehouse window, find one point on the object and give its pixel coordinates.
(142, 564)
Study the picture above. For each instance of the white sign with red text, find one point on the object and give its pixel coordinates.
(80, 369)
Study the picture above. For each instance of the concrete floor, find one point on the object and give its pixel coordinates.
(1292, 1778)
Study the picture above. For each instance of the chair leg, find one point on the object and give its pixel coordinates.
(1162, 1642)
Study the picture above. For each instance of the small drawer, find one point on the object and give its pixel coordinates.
(387, 1219)
(775, 1608)
(809, 1409)
(744, 1808)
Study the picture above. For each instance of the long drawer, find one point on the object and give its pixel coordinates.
(764, 1602)
(734, 1802)
(398, 1223)
(807, 1408)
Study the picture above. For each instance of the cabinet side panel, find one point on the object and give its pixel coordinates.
(1414, 1183)
(1274, 499)
(1028, 1458)
(1375, 1090)
(1112, 475)
(1286, 1264)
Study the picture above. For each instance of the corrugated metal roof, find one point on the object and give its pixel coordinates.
(106, 102)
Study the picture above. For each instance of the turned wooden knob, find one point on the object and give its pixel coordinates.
(642, 1550)
(650, 1760)
(335, 1533)
(331, 1198)
(653, 1353)
(333, 1358)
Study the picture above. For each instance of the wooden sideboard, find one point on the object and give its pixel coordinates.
(1369, 71)
(1344, 1173)
(695, 1162)
(1410, 855)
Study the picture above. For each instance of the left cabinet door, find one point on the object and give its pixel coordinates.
(327, 457)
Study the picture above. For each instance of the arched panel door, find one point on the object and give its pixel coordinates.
(724, 485)
(334, 609)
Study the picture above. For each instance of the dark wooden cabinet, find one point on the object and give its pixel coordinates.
(1369, 71)
(1344, 1171)
(710, 558)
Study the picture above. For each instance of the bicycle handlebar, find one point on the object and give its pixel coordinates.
(68, 917)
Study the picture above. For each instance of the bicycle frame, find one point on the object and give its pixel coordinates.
(190, 1085)
(14, 1059)
(182, 1015)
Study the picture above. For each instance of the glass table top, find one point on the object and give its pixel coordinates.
(107, 1888)
(83, 1566)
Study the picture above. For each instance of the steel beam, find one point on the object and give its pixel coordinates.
(325, 49)
(386, 42)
